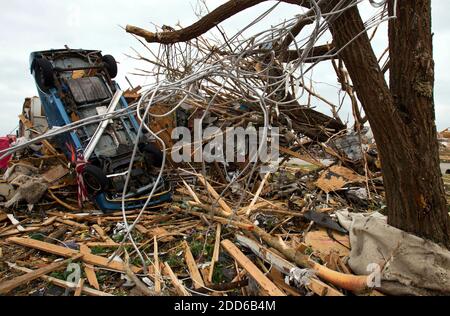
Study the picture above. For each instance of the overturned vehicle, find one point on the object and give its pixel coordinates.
(77, 84)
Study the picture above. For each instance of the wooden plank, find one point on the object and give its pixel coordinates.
(61, 283)
(109, 245)
(10, 285)
(71, 223)
(318, 287)
(216, 252)
(89, 269)
(218, 219)
(157, 232)
(79, 288)
(47, 222)
(192, 193)
(175, 282)
(252, 269)
(258, 193)
(103, 234)
(65, 252)
(3, 216)
(215, 195)
(55, 174)
(321, 242)
(297, 155)
(15, 231)
(278, 278)
(157, 267)
(192, 266)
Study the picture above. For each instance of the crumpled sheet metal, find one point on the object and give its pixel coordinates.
(409, 265)
(300, 277)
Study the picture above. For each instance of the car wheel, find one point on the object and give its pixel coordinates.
(44, 74)
(111, 65)
(154, 156)
(95, 179)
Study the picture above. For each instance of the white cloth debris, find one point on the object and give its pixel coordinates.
(409, 265)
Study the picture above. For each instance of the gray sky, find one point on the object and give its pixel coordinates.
(27, 26)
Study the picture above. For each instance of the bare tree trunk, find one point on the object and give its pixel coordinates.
(404, 129)
(417, 201)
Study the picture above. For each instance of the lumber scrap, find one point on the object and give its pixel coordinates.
(103, 234)
(3, 216)
(252, 269)
(71, 223)
(89, 269)
(192, 267)
(179, 287)
(297, 155)
(79, 288)
(191, 193)
(354, 283)
(64, 284)
(318, 287)
(66, 252)
(216, 253)
(221, 220)
(8, 286)
(15, 231)
(258, 193)
(278, 278)
(215, 195)
(139, 284)
(156, 265)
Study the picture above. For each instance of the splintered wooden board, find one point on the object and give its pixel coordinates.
(320, 241)
(335, 178)
(252, 269)
(68, 253)
(3, 216)
(55, 174)
(10, 285)
(165, 124)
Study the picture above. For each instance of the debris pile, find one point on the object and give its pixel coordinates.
(280, 239)
(280, 226)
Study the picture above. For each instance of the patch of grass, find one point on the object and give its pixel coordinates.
(61, 275)
(102, 276)
(37, 236)
(198, 248)
(309, 251)
(118, 238)
(218, 275)
(99, 250)
(175, 261)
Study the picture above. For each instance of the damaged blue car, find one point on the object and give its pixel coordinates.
(77, 84)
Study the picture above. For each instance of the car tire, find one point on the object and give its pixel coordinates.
(44, 74)
(111, 65)
(95, 179)
(154, 155)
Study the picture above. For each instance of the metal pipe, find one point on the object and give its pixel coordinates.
(102, 127)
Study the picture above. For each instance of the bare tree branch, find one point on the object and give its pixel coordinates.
(208, 22)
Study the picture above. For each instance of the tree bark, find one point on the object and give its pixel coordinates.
(404, 129)
(206, 23)
(417, 201)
